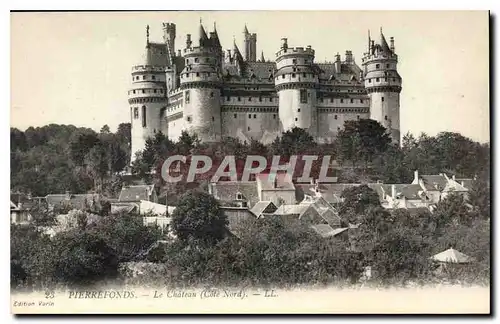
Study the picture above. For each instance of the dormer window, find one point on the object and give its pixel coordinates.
(239, 196)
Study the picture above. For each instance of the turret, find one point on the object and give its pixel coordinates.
(250, 46)
(383, 84)
(147, 95)
(200, 83)
(169, 37)
(296, 82)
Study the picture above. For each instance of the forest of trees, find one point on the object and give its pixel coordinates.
(57, 158)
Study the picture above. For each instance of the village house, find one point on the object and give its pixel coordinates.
(20, 208)
(131, 196)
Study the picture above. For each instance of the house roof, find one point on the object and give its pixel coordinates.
(226, 191)
(466, 183)
(73, 200)
(452, 256)
(135, 193)
(263, 207)
(298, 209)
(325, 230)
(332, 192)
(434, 182)
(267, 181)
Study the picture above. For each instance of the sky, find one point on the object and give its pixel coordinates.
(74, 68)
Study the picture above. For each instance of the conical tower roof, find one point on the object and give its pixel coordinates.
(262, 56)
(383, 43)
(203, 35)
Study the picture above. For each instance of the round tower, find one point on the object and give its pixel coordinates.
(296, 82)
(200, 81)
(383, 84)
(147, 96)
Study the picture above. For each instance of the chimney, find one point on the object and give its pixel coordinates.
(284, 43)
(348, 56)
(392, 43)
(393, 191)
(188, 41)
(415, 177)
(337, 63)
(453, 177)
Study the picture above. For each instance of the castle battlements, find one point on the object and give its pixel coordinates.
(216, 93)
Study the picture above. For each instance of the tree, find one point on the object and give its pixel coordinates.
(452, 209)
(391, 166)
(198, 216)
(296, 141)
(186, 143)
(362, 139)
(105, 130)
(81, 145)
(357, 200)
(124, 133)
(480, 197)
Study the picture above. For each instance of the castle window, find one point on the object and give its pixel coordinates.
(197, 74)
(377, 66)
(235, 116)
(369, 80)
(385, 79)
(274, 116)
(213, 118)
(228, 98)
(298, 110)
(155, 90)
(303, 96)
(360, 100)
(133, 91)
(187, 75)
(335, 117)
(137, 77)
(144, 77)
(239, 98)
(352, 100)
(387, 65)
(283, 76)
(320, 99)
(143, 91)
(294, 61)
(248, 128)
(136, 113)
(378, 79)
(385, 117)
(195, 60)
(254, 116)
(304, 75)
(188, 119)
(294, 70)
(341, 100)
(143, 116)
(186, 96)
(250, 116)
(293, 75)
(211, 94)
(331, 99)
(383, 99)
(271, 99)
(249, 98)
(260, 99)
(296, 119)
(153, 77)
(393, 79)
(338, 128)
(357, 117)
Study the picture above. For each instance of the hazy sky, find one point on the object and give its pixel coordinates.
(74, 68)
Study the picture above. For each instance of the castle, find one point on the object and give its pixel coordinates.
(214, 93)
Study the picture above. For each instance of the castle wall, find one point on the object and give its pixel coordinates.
(330, 122)
(245, 123)
(145, 122)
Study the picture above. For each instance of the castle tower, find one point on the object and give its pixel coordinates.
(147, 96)
(383, 84)
(169, 37)
(296, 82)
(250, 46)
(200, 82)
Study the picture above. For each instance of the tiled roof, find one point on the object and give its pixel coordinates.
(325, 230)
(292, 209)
(262, 70)
(434, 182)
(267, 181)
(330, 191)
(73, 200)
(263, 207)
(136, 193)
(226, 191)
